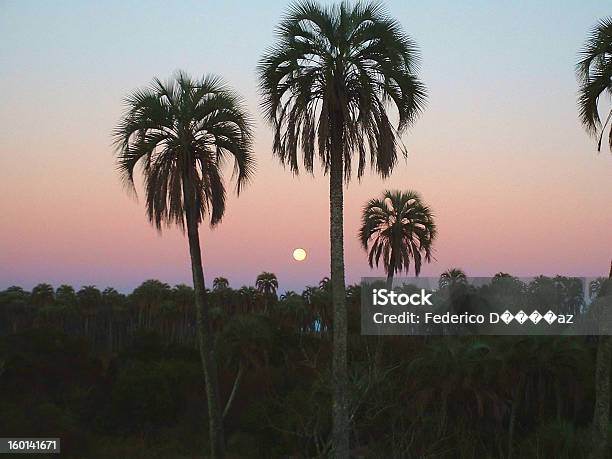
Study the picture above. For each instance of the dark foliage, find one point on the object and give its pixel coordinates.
(143, 396)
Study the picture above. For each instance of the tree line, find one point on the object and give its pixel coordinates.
(109, 319)
(409, 396)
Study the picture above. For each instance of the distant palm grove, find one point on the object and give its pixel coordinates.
(209, 370)
(119, 375)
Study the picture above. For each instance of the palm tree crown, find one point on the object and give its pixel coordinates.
(594, 71)
(398, 229)
(330, 76)
(220, 283)
(182, 131)
(452, 277)
(267, 283)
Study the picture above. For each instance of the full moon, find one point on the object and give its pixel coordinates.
(299, 254)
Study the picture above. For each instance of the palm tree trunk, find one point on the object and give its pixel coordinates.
(390, 280)
(340, 434)
(232, 395)
(601, 414)
(395, 249)
(204, 336)
(516, 400)
(378, 339)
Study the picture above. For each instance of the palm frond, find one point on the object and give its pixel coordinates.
(181, 132)
(398, 230)
(337, 71)
(594, 73)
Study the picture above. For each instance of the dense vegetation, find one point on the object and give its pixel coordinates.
(115, 374)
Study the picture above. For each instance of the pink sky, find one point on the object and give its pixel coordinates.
(515, 183)
(530, 212)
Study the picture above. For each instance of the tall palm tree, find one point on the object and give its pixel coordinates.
(182, 132)
(594, 70)
(326, 86)
(397, 229)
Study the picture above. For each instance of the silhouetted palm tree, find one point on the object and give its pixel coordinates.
(325, 284)
(594, 71)
(148, 298)
(42, 295)
(326, 86)
(267, 284)
(112, 299)
(397, 229)
(220, 283)
(66, 296)
(182, 132)
(452, 277)
(250, 299)
(90, 297)
(600, 287)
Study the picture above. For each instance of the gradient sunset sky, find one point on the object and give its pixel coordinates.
(515, 183)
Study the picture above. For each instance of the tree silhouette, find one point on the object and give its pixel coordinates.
(452, 277)
(66, 296)
(327, 85)
(594, 70)
(220, 283)
(397, 230)
(182, 132)
(267, 284)
(42, 295)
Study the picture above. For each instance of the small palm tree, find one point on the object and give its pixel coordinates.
(325, 284)
(220, 283)
(89, 297)
(397, 229)
(451, 278)
(327, 86)
(182, 132)
(66, 296)
(594, 70)
(42, 295)
(267, 284)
